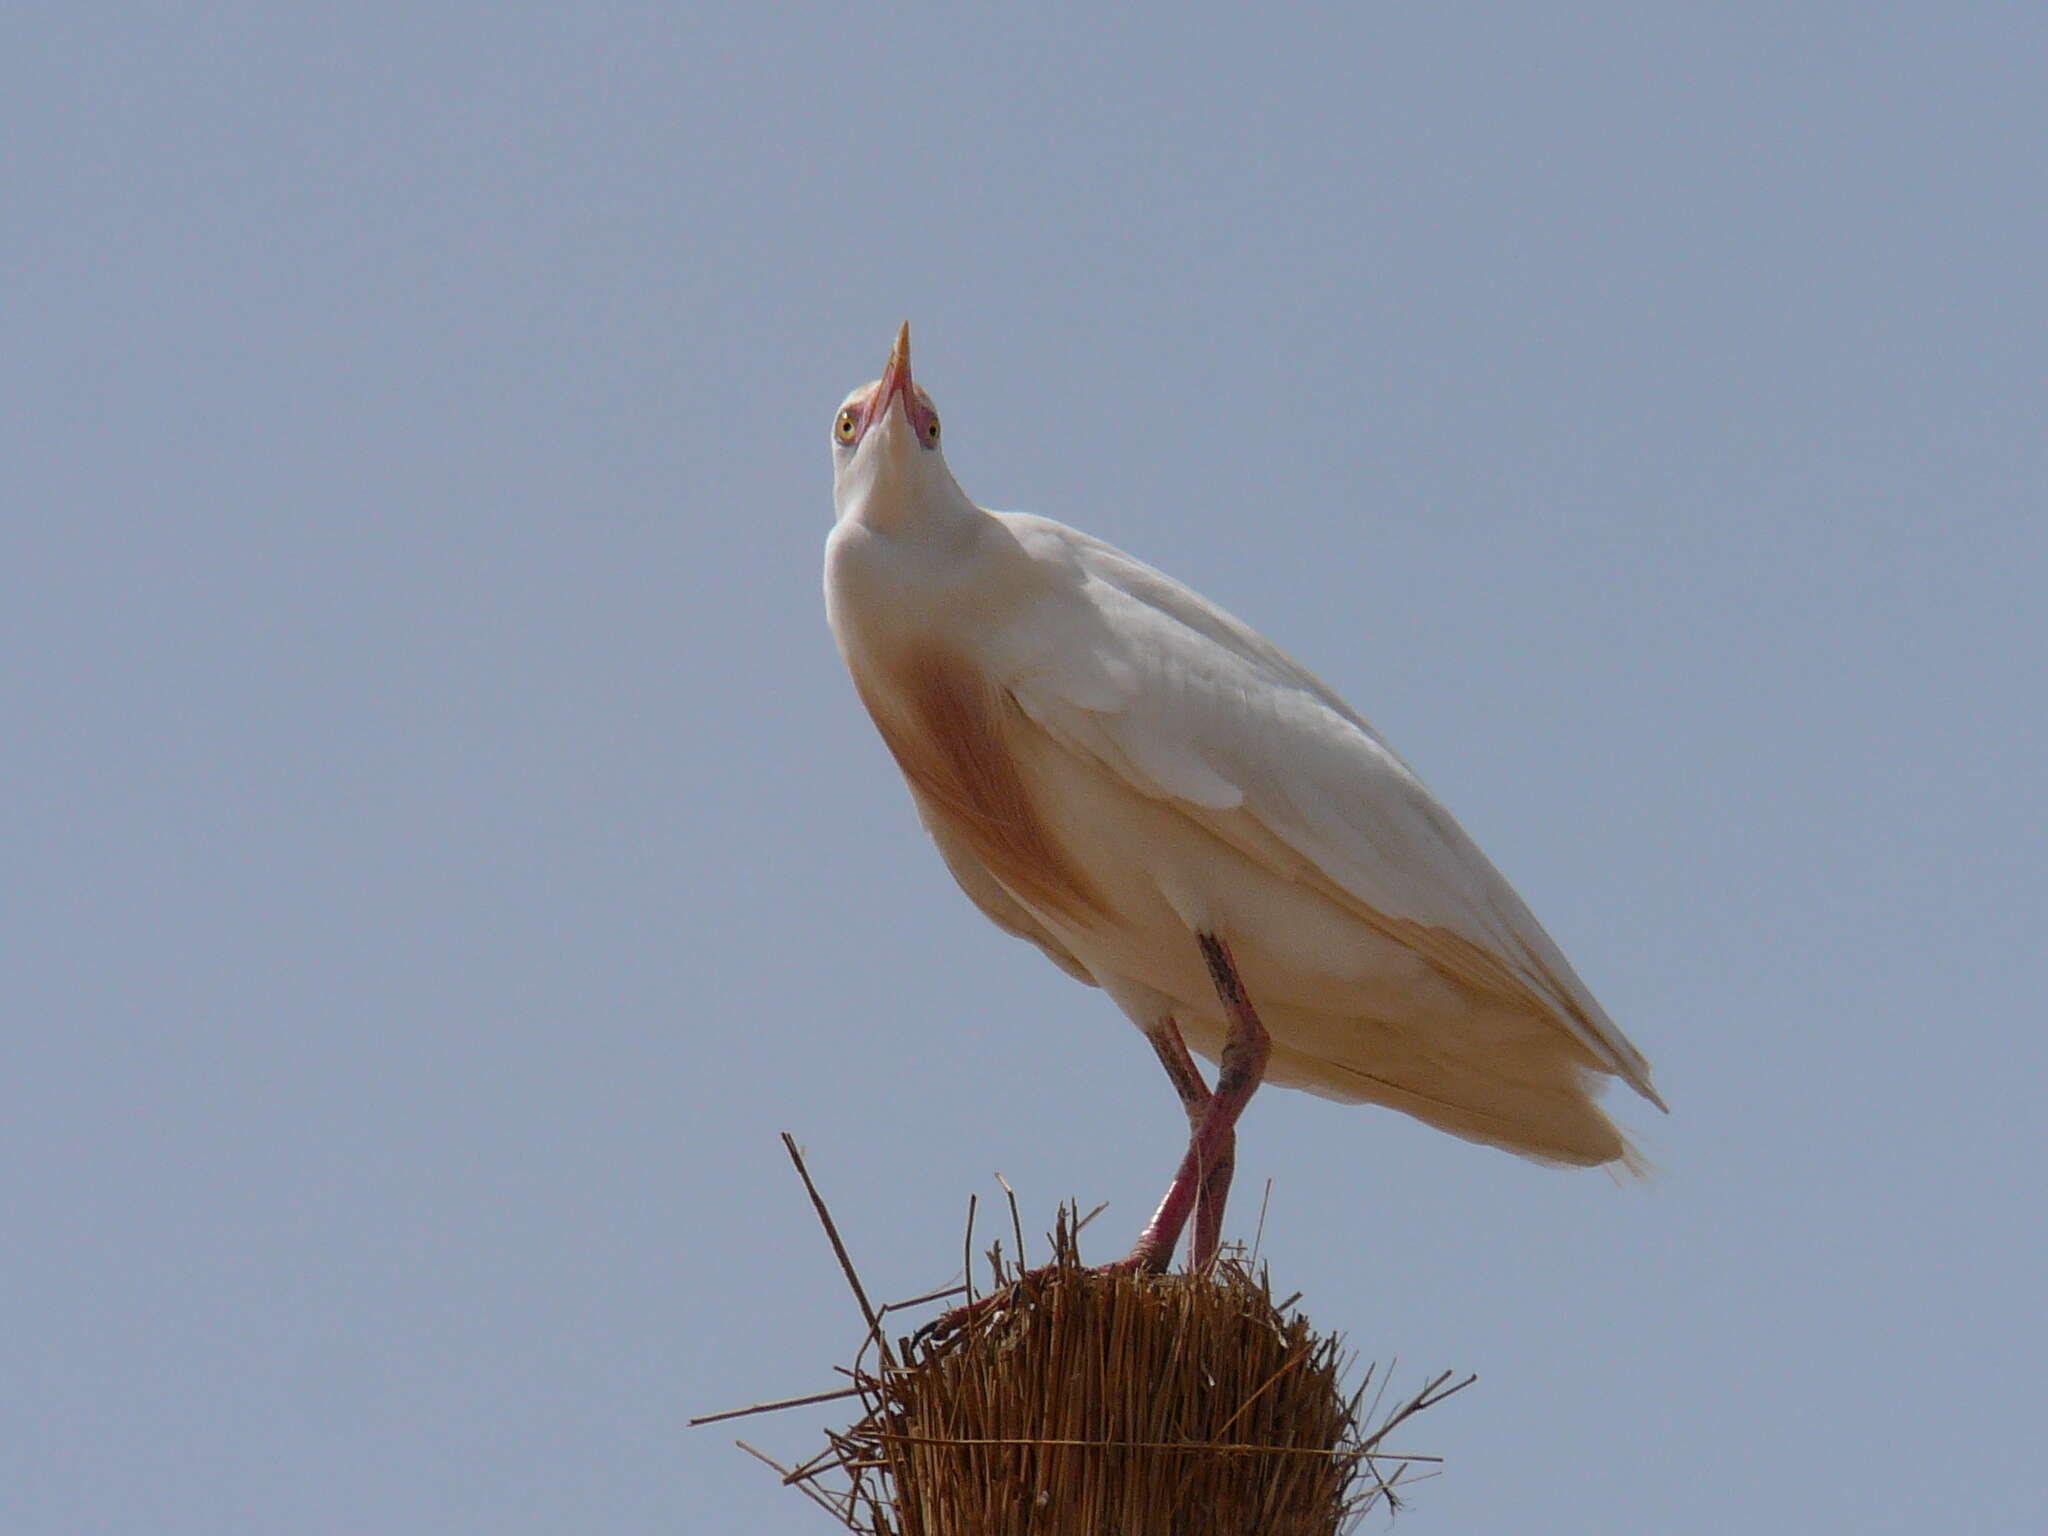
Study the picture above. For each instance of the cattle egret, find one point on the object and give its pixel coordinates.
(1175, 811)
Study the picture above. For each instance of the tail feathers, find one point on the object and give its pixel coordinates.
(1532, 1098)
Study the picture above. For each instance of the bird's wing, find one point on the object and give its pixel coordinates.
(1192, 707)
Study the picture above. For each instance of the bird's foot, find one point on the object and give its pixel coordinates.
(1145, 1259)
(981, 1310)
(1149, 1257)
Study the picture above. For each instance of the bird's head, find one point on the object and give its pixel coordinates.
(887, 468)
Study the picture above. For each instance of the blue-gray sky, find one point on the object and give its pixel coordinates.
(442, 849)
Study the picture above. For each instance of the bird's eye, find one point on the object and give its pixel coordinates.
(931, 431)
(846, 428)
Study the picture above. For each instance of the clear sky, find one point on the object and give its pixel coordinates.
(442, 849)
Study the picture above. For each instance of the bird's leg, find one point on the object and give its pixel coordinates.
(1202, 1182)
(1194, 1098)
(1211, 1149)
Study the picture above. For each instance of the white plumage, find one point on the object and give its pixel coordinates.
(1148, 790)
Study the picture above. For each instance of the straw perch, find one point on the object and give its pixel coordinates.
(1122, 1404)
(1080, 1402)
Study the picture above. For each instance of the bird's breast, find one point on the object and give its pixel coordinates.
(956, 736)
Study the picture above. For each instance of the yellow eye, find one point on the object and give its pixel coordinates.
(846, 428)
(931, 431)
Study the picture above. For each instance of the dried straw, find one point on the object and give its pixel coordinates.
(1081, 1402)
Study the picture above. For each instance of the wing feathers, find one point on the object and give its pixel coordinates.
(1191, 707)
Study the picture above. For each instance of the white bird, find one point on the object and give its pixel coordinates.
(1172, 809)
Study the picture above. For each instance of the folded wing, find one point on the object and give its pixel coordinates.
(1191, 707)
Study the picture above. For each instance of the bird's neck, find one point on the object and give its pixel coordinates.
(935, 509)
(897, 569)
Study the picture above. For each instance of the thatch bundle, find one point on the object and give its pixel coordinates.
(1120, 1404)
(1088, 1402)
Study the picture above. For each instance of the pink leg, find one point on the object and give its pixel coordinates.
(1204, 1173)
(1194, 1098)
(1202, 1182)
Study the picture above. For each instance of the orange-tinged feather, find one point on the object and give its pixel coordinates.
(953, 734)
